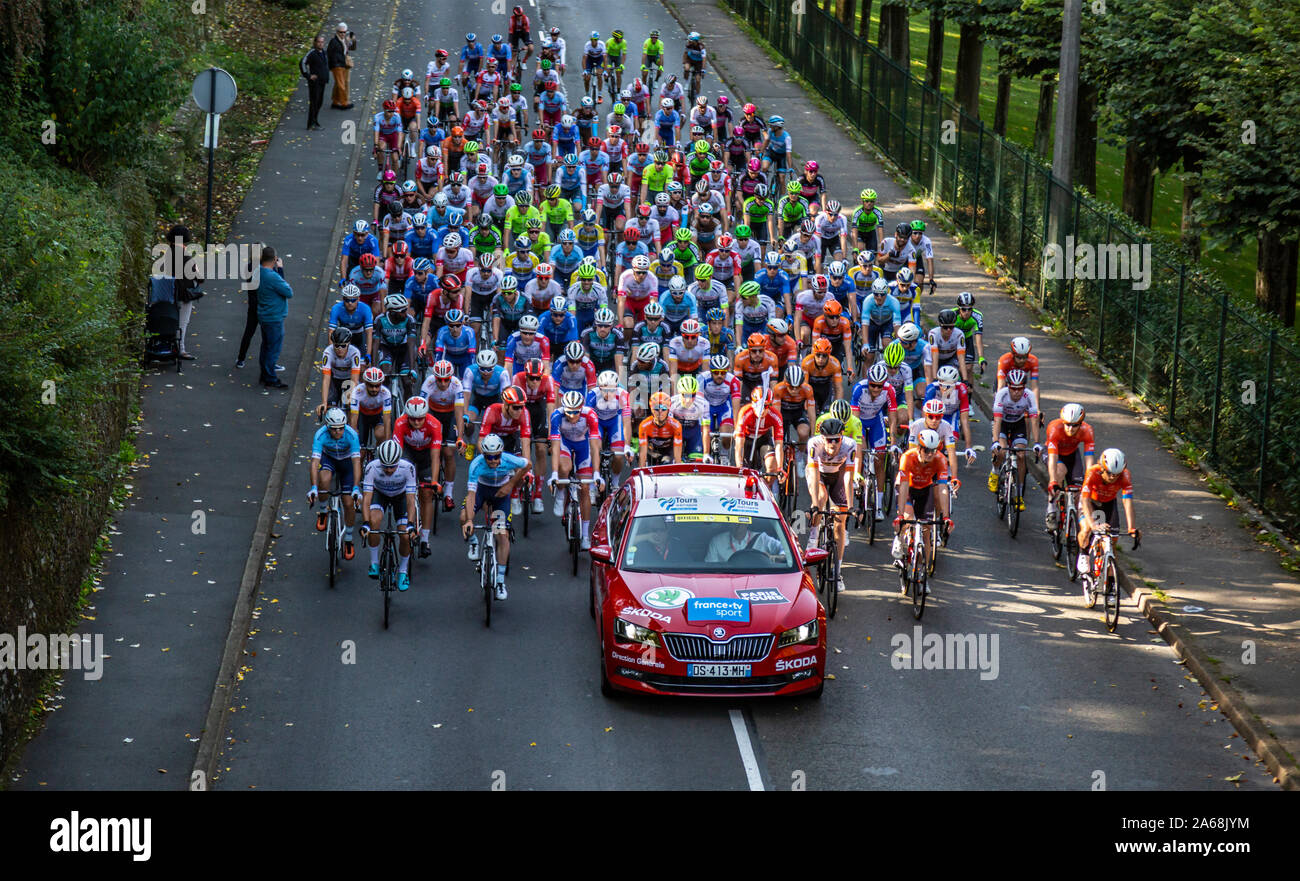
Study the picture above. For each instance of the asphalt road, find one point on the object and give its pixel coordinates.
(438, 701)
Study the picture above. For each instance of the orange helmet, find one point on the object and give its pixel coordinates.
(757, 341)
(457, 131)
(833, 309)
(514, 396)
(822, 346)
(660, 401)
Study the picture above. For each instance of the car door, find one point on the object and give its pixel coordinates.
(612, 526)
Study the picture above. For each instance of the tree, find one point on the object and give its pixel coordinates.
(973, 16)
(894, 36)
(1028, 38)
(934, 50)
(1249, 181)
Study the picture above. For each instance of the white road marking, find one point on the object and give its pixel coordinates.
(746, 752)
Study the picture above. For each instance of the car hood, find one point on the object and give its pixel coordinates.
(773, 600)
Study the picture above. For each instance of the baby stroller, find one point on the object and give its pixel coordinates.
(162, 324)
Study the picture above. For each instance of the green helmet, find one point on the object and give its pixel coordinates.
(750, 289)
(743, 231)
(586, 270)
(703, 272)
(445, 82)
(701, 146)
(682, 235)
(793, 188)
(620, 109)
(918, 226)
(500, 190)
(546, 64)
(867, 195)
(472, 146)
(516, 87)
(894, 354)
(687, 385)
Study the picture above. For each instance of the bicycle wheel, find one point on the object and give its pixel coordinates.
(1071, 545)
(1013, 507)
(574, 529)
(1002, 494)
(1058, 533)
(869, 506)
(916, 579)
(526, 497)
(1110, 594)
(832, 577)
(933, 560)
(332, 544)
(488, 570)
(889, 484)
(386, 576)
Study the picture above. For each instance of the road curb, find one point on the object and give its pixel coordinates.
(205, 760)
(1231, 702)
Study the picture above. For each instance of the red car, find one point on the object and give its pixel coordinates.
(698, 588)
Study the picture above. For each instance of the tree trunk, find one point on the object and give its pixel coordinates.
(1188, 227)
(1275, 276)
(1002, 108)
(1085, 139)
(1139, 185)
(848, 9)
(1043, 121)
(864, 23)
(894, 36)
(934, 52)
(970, 57)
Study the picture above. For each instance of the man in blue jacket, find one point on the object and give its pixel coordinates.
(273, 294)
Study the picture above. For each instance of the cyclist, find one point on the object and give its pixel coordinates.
(557, 324)
(832, 458)
(808, 306)
(409, 108)
(793, 213)
(438, 68)
(881, 317)
(574, 372)
(509, 420)
(758, 421)
(919, 250)
(824, 374)
(572, 179)
(647, 373)
(955, 399)
(485, 381)
(1102, 484)
(520, 35)
(653, 329)
(924, 473)
(970, 321)
(636, 288)
(932, 418)
(371, 408)
(948, 345)
(593, 57)
(694, 59)
(500, 53)
(671, 90)
(615, 53)
(575, 445)
(446, 399)
(831, 231)
(795, 397)
(781, 344)
(841, 410)
(915, 356)
(394, 337)
(559, 47)
(677, 304)
(552, 104)
(863, 275)
(668, 122)
(389, 134)
(471, 57)
(777, 147)
(874, 404)
(386, 195)
(659, 434)
(611, 404)
(444, 102)
(688, 352)
(420, 436)
(652, 56)
(756, 365)
(1019, 358)
(509, 309)
(340, 361)
(900, 377)
(691, 410)
(721, 389)
(353, 315)
(588, 298)
(1015, 423)
(558, 213)
(890, 253)
(833, 327)
(721, 339)
(494, 477)
(539, 392)
(455, 342)
(336, 450)
(358, 242)
(388, 482)
(868, 222)
(1065, 465)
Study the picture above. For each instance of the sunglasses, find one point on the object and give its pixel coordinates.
(833, 440)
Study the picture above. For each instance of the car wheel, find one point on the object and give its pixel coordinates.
(591, 596)
(606, 687)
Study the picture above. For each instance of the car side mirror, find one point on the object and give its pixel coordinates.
(814, 556)
(602, 554)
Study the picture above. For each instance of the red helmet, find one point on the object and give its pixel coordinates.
(593, 142)
(369, 261)
(643, 209)
(538, 134)
(450, 282)
(631, 234)
(514, 396)
(533, 368)
(390, 105)
(399, 248)
(441, 53)
(642, 147)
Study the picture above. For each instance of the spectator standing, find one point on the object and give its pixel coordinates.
(340, 63)
(316, 69)
(187, 289)
(273, 294)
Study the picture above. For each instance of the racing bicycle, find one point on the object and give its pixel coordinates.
(1010, 497)
(1065, 532)
(914, 575)
(573, 516)
(334, 533)
(828, 572)
(1101, 566)
(696, 77)
(388, 562)
(720, 447)
(486, 565)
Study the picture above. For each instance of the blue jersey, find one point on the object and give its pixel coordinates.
(458, 350)
(421, 245)
(501, 52)
(667, 119)
(553, 100)
(537, 152)
(884, 314)
(371, 286)
(387, 124)
(497, 381)
(346, 447)
(676, 311)
(481, 473)
(776, 287)
(566, 138)
(471, 52)
(431, 136)
(565, 263)
(559, 334)
(354, 246)
(355, 321)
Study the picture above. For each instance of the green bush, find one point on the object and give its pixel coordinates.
(65, 343)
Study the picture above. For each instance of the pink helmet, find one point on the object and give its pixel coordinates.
(810, 165)
(722, 99)
(737, 131)
(755, 165)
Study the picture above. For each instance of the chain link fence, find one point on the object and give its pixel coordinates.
(1224, 374)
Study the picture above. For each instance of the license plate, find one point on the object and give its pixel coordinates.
(719, 671)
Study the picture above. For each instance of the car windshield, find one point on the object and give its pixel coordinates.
(734, 544)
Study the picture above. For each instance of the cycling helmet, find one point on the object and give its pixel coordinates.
(553, 191)
(807, 227)
(631, 234)
(451, 242)
(648, 352)
(878, 373)
(661, 199)
(361, 227)
(832, 207)
(933, 407)
(510, 283)
(947, 317)
(369, 261)
(674, 187)
(821, 346)
(417, 407)
(794, 375)
(573, 351)
(820, 282)
(918, 226)
(389, 453)
(545, 270)
(831, 427)
(529, 324)
(419, 221)
(567, 236)
(837, 269)
(660, 402)
(772, 258)
(901, 231)
(1072, 414)
(1113, 460)
(677, 285)
(701, 185)
(641, 262)
(928, 439)
(750, 289)
(947, 375)
(395, 303)
(586, 271)
(372, 376)
(485, 261)
(687, 384)
(880, 287)
(866, 259)
(909, 332)
(841, 410)
(653, 310)
(572, 402)
(514, 396)
(533, 369)
(666, 255)
(336, 418)
(486, 359)
(1019, 345)
(867, 195)
(440, 201)
(757, 341)
(904, 276)
(491, 446)
(1017, 379)
(341, 336)
(608, 379)
(524, 198)
(778, 326)
(715, 314)
(408, 187)
(793, 188)
(965, 300)
(690, 327)
(390, 105)
(776, 121)
(455, 317)
(719, 364)
(760, 191)
(894, 354)
(351, 292)
(832, 309)
(666, 103)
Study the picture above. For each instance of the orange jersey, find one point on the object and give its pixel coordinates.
(1100, 491)
(790, 397)
(1062, 444)
(784, 352)
(660, 435)
(408, 109)
(918, 474)
(1007, 363)
(746, 367)
(832, 372)
(843, 330)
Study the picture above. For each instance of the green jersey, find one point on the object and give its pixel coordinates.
(652, 48)
(867, 222)
(615, 50)
(793, 209)
(560, 212)
(485, 241)
(656, 178)
(542, 246)
(757, 210)
(971, 326)
(517, 221)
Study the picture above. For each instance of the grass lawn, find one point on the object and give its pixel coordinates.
(1236, 267)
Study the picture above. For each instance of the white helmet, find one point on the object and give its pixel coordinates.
(529, 322)
(572, 402)
(666, 103)
(1072, 414)
(351, 292)
(336, 418)
(1113, 460)
(361, 227)
(878, 372)
(880, 286)
(1020, 345)
(573, 351)
(641, 261)
(395, 303)
(486, 359)
(389, 452)
(416, 407)
(452, 241)
(909, 332)
(491, 445)
(928, 439)
(608, 379)
(947, 374)
(778, 326)
(648, 352)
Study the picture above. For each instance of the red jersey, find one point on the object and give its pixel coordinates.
(1007, 363)
(439, 306)
(1062, 444)
(519, 24)
(1097, 489)
(749, 419)
(403, 270)
(545, 389)
(495, 421)
(918, 474)
(427, 436)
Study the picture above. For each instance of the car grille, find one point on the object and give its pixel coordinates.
(685, 685)
(691, 647)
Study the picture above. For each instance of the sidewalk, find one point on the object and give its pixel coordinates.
(1224, 593)
(208, 442)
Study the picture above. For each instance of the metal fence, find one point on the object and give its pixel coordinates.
(1224, 374)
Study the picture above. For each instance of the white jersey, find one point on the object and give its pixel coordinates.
(947, 437)
(442, 400)
(811, 305)
(1014, 411)
(947, 348)
(483, 284)
(829, 461)
(689, 415)
(629, 287)
(402, 480)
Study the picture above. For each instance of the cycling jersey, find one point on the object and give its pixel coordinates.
(602, 349)
(492, 476)
(690, 359)
(401, 481)
(365, 404)
(955, 400)
(356, 321)
(871, 408)
(426, 437)
(919, 475)
(490, 386)
(346, 447)
(1098, 490)
(947, 434)
(459, 349)
(1011, 410)
(829, 376)
(793, 399)
(394, 335)
(442, 400)
(946, 348)
(831, 460)
(518, 351)
(661, 436)
(1007, 363)
(653, 49)
(510, 310)
(852, 428)
(1063, 445)
(571, 377)
(495, 421)
(882, 314)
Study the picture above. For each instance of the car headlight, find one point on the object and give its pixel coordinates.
(795, 635)
(626, 631)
